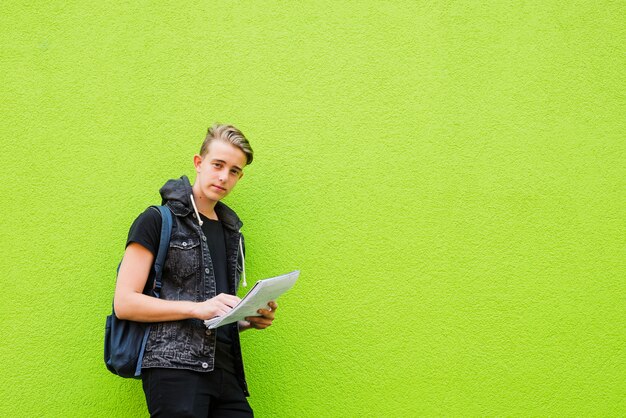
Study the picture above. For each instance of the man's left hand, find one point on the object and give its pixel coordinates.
(263, 321)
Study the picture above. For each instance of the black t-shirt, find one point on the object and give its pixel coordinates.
(146, 230)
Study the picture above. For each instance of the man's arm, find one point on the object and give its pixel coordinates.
(130, 303)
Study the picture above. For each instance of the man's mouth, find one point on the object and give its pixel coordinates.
(218, 187)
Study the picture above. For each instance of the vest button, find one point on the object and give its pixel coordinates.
(205, 365)
(207, 271)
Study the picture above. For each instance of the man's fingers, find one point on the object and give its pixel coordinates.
(224, 309)
(266, 313)
(272, 308)
(227, 299)
(259, 322)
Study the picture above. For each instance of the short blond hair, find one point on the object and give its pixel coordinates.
(230, 135)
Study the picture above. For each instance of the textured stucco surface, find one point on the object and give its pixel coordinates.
(449, 177)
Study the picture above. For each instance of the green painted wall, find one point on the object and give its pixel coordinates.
(449, 177)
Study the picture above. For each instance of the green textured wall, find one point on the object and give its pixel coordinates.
(449, 177)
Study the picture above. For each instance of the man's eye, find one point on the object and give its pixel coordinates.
(235, 172)
(217, 165)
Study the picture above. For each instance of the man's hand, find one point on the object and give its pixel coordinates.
(260, 322)
(217, 306)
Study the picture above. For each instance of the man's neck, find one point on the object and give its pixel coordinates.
(205, 206)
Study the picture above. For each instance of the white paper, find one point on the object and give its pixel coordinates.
(257, 298)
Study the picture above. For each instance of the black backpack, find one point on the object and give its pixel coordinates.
(125, 341)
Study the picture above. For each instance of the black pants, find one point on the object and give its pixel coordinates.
(185, 393)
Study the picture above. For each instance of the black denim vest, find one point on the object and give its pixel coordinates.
(188, 275)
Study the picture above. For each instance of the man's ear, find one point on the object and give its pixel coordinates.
(197, 160)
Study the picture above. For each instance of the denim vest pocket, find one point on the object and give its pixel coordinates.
(169, 338)
(184, 258)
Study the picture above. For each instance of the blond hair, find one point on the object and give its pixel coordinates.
(230, 135)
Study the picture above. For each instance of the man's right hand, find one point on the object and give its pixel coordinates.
(217, 306)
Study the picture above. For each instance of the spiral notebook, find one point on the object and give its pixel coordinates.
(262, 292)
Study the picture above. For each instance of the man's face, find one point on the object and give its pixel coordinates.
(219, 170)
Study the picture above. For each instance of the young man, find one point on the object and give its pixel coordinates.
(189, 370)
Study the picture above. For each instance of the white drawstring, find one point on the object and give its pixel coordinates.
(193, 202)
(243, 262)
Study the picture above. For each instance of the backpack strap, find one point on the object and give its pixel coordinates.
(164, 243)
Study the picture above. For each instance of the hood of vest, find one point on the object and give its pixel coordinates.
(176, 193)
